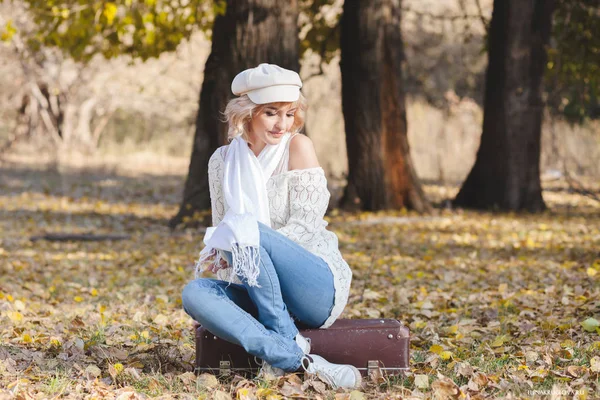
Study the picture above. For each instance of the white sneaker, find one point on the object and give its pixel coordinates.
(303, 342)
(336, 375)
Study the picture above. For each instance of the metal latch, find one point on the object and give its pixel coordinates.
(373, 367)
(224, 368)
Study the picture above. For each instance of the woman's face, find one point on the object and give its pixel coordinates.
(269, 125)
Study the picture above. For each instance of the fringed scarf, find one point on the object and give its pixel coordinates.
(245, 192)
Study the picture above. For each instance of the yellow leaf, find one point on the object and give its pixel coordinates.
(9, 31)
(452, 329)
(591, 272)
(145, 335)
(15, 316)
(445, 355)
(110, 12)
(27, 338)
(242, 393)
(436, 348)
(567, 343)
(162, 299)
(264, 392)
(500, 340)
(420, 324)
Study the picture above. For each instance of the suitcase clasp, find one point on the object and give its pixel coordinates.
(224, 368)
(373, 369)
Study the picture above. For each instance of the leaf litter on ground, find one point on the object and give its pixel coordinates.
(498, 304)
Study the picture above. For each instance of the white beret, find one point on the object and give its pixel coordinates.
(267, 83)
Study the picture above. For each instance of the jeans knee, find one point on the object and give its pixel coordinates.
(194, 293)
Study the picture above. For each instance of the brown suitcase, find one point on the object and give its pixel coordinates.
(371, 345)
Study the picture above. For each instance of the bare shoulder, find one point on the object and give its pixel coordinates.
(302, 153)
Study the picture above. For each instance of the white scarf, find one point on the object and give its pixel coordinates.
(245, 192)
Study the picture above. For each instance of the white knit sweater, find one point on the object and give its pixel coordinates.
(298, 200)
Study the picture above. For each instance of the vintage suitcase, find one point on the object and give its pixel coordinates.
(371, 345)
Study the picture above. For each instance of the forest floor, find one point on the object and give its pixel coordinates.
(499, 305)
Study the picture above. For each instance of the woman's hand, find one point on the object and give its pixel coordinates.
(222, 264)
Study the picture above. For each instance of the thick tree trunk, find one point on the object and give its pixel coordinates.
(380, 174)
(506, 174)
(251, 32)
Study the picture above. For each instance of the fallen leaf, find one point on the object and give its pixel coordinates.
(221, 395)
(291, 390)
(356, 395)
(436, 348)
(422, 381)
(590, 324)
(595, 364)
(445, 388)
(92, 372)
(207, 380)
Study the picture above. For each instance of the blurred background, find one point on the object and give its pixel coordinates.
(137, 114)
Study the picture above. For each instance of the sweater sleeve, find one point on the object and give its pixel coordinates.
(215, 185)
(308, 199)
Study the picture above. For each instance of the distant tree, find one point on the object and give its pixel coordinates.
(42, 30)
(506, 174)
(250, 32)
(381, 174)
(573, 67)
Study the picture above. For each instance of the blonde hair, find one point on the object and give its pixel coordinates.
(240, 111)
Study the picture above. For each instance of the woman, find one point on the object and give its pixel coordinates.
(277, 265)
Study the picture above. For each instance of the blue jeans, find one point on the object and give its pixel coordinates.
(292, 281)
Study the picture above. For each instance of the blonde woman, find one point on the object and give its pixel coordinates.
(279, 268)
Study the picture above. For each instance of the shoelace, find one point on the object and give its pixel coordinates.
(327, 375)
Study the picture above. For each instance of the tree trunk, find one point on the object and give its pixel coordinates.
(380, 171)
(251, 32)
(506, 174)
